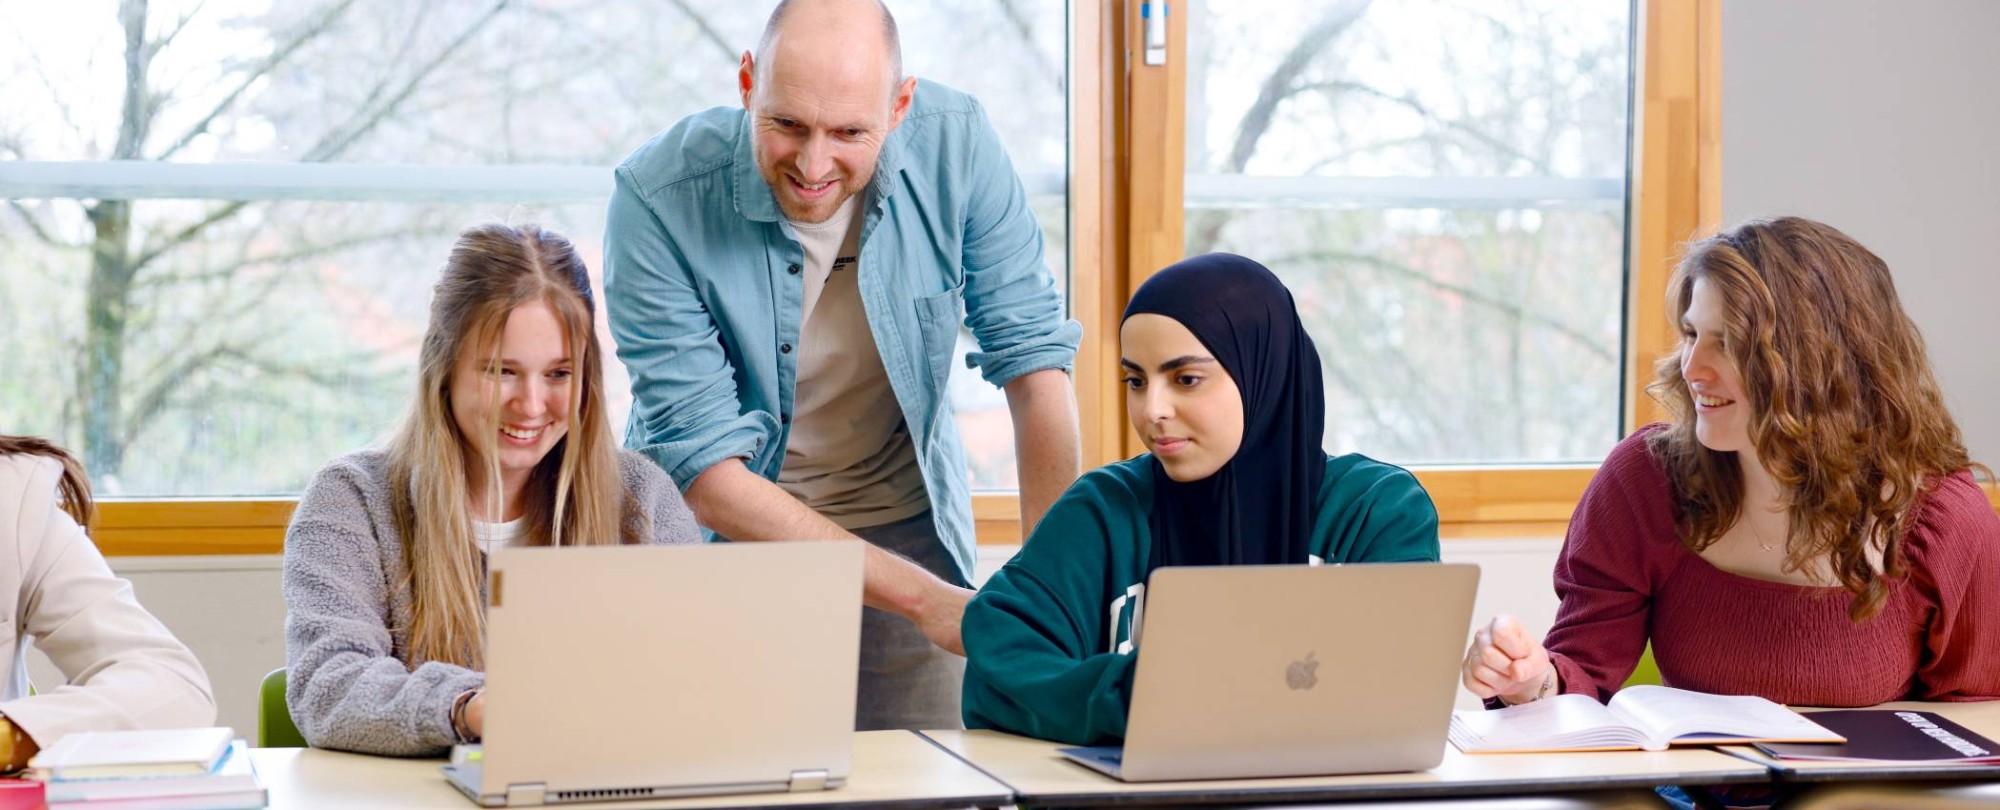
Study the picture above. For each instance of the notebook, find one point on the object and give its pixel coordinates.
(1893, 736)
(233, 774)
(1255, 671)
(133, 754)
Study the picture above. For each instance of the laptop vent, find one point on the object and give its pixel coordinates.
(599, 795)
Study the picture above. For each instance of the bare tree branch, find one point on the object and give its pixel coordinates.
(137, 115)
(364, 120)
(55, 93)
(187, 234)
(411, 32)
(590, 41)
(1424, 382)
(1425, 112)
(1024, 27)
(227, 271)
(161, 393)
(1281, 83)
(1343, 373)
(155, 399)
(35, 225)
(339, 138)
(161, 390)
(162, 43)
(1587, 341)
(306, 373)
(708, 31)
(278, 56)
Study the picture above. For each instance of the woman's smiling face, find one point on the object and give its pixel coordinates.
(522, 398)
(1721, 405)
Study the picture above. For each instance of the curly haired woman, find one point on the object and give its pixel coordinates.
(1807, 528)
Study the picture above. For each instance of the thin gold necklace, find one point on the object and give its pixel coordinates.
(1758, 537)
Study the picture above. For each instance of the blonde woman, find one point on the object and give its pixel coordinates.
(506, 443)
(125, 670)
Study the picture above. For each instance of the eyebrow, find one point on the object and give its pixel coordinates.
(860, 125)
(1170, 365)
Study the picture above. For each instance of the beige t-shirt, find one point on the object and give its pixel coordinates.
(850, 456)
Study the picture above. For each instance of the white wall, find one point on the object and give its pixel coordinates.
(1882, 119)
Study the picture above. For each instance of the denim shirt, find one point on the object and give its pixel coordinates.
(704, 292)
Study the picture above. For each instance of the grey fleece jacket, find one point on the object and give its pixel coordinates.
(348, 611)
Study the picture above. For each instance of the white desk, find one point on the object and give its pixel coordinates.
(1040, 776)
(892, 769)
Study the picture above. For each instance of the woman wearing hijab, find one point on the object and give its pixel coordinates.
(1223, 386)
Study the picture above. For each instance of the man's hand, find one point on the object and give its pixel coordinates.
(742, 506)
(1505, 661)
(944, 608)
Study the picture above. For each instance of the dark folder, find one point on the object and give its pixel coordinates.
(1892, 735)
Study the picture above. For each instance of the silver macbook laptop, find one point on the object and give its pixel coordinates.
(632, 672)
(1256, 671)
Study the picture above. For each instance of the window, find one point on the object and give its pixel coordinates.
(1442, 183)
(219, 265)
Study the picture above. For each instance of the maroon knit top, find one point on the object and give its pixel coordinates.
(1623, 577)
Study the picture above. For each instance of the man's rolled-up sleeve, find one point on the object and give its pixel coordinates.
(1012, 305)
(685, 411)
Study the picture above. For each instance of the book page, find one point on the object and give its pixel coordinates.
(1667, 715)
(1560, 723)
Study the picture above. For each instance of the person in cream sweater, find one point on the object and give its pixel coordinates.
(124, 669)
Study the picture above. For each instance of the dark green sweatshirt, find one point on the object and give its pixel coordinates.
(1043, 637)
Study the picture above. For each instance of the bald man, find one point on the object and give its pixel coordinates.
(786, 282)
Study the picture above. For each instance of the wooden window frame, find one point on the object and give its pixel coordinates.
(1125, 209)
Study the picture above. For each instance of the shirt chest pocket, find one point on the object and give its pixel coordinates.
(938, 317)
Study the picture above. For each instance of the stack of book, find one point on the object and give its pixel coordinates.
(181, 769)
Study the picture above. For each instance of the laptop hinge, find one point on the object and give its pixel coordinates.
(527, 795)
(803, 781)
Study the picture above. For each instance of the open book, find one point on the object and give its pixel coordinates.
(1638, 717)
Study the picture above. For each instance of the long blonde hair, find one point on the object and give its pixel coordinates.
(574, 496)
(1845, 412)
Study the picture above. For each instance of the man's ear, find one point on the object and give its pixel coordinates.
(746, 77)
(900, 105)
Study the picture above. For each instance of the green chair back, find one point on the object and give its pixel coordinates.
(1647, 673)
(274, 719)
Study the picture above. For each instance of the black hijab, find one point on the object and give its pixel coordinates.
(1258, 508)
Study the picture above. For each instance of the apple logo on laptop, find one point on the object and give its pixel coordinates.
(1303, 674)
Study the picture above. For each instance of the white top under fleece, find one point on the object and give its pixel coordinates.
(499, 535)
(849, 457)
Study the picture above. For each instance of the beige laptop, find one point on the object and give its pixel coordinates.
(632, 672)
(1255, 671)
